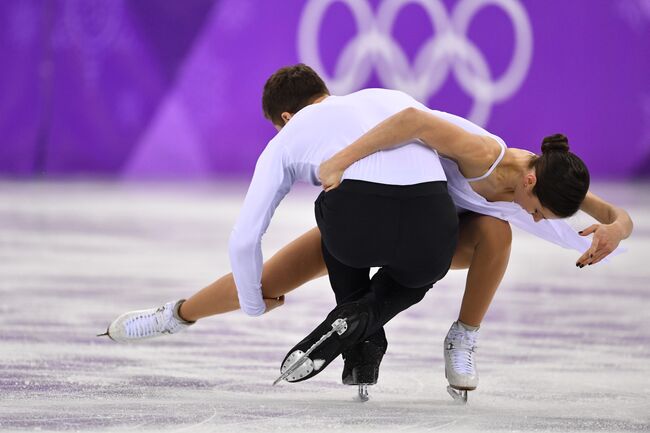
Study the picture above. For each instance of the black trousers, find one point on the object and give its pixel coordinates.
(410, 232)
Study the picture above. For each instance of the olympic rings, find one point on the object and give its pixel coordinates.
(448, 51)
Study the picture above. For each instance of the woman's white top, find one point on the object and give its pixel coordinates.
(557, 231)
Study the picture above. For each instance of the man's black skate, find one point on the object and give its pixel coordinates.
(344, 327)
(362, 360)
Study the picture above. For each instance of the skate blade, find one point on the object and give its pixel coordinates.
(106, 334)
(298, 371)
(290, 370)
(363, 396)
(459, 395)
(339, 326)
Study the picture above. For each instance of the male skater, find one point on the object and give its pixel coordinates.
(392, 211)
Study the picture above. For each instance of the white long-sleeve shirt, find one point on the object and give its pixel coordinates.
(312, 136)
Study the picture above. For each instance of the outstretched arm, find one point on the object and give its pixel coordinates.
(615, 225)
(474, 153)
(271, 181)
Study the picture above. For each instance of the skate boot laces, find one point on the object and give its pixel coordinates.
(461, 346)
(151, 323)
(139, 325)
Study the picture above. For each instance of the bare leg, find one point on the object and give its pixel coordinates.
(484, 248)
(294, 265)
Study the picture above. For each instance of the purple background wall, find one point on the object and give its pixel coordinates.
(171, 89)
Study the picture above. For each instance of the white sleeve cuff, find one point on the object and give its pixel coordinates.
(254, 308)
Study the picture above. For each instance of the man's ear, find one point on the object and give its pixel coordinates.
(286, 116)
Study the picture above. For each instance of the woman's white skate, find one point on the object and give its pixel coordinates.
(460, 370)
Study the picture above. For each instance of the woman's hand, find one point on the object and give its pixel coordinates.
(606, 239)
(330, 173)
(272, 303)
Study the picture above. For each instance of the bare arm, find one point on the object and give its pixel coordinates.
(615, 225)
(607, 213)
(474, 153)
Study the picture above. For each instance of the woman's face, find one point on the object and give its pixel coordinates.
(525, 198)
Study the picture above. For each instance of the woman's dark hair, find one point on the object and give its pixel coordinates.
(290, 90)
(562, 177)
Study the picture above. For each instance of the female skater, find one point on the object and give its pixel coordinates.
(502, 183)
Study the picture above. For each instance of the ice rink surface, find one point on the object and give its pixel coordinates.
(562, 349)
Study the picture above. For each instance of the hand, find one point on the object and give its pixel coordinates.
(272, 303)
(606, 239)
(330, 174)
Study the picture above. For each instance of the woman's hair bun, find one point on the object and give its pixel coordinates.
(555, 143)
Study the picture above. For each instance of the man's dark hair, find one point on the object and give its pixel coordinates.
(289, 90)
(562, 177)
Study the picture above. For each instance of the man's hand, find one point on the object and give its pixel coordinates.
(272, 303)
(606, 239)
(330, 174)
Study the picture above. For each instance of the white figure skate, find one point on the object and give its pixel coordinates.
(141, 325)
(460, 368)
